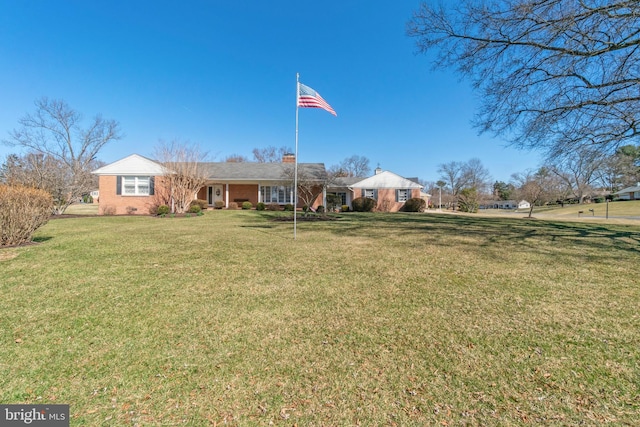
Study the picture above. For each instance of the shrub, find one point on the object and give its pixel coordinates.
(247, 205)
(199, 202)
(363, 204)
(415, 204)
(233, 205)
(320, 209)
(260, 206)
(288, 207)
(131, 210)
(195, 208)
(108, 210)
(218, 204)
(345, 208)
(273, 207)
(22, 211)
(162, 210)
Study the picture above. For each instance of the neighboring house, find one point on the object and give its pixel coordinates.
(129, 185)
(507, 204)
(629, 193)
(389, 189)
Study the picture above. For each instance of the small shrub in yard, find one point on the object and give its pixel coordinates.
(260, 206)
(131, 210)
(247, 205)
(345, 208)
(195, 209)
(363, 204)
(22, 211)
(199, 202)
(320, 209)
(233, 205)
(288, 207)
(415, 205)
(163, 210)
(108, 210)
(273, 207)
(218, 204)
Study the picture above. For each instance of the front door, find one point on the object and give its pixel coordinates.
(214, 194)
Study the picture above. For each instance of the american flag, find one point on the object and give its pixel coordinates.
(309, 98)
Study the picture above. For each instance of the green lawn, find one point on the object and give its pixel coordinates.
(372, 319)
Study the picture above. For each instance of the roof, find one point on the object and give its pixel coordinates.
(633, 189)
(386, 179)
(134, 164)
(221, 171)
(252, 171)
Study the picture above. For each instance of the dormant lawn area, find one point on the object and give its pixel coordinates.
(372, 319)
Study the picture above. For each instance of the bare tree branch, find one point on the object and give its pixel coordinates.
(554, 74)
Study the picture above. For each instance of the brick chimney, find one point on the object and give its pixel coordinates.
(288, 158)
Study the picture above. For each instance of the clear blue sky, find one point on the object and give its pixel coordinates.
(223, 74)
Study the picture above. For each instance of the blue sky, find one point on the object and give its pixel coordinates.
(223, 74)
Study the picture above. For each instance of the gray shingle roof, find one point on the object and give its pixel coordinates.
(251, 171)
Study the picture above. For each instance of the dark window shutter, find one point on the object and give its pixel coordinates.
(362, 192)
(152, 181)
(375, 194)
(118, 185)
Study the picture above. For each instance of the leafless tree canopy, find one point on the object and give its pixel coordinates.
(186, 173)
(554, 74)
(354, 166)
(270, 154)
(60, 153)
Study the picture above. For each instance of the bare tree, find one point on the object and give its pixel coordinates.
(464, 175)
(536, 187)
(554, 74)
(577, 169)
(55, 134)
(186, 173)
(270, 154)
(311, 183)
(354, 166)
(477, 176)
(452, 174)
(236, 158)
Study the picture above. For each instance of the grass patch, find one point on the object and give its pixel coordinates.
(372, 319)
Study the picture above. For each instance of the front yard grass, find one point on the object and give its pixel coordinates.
(372, 319)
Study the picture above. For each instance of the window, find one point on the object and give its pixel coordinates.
(342, 197)
(136, 186)
(276, 194)
(370, 193)
(403, 194)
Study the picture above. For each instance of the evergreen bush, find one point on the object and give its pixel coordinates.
(415, 205)
(363, 204)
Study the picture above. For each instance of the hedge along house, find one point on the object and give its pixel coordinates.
(390, 190)
(130, 185)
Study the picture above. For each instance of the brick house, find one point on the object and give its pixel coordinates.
(389, 189)
(128, 186)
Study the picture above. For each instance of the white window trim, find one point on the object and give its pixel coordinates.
(137, 180)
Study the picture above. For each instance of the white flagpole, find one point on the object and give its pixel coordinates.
(295, 173)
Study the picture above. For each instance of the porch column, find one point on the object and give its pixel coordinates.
(226, 195)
